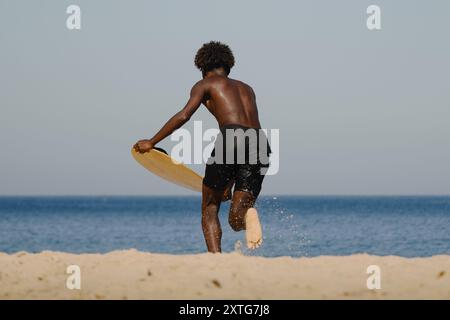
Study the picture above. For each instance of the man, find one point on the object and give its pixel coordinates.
(233, 104)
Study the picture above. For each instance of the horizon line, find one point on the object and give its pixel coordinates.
(199, 195)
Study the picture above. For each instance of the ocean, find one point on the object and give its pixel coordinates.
(296, 226)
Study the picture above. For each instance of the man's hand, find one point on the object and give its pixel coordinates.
(143, 146)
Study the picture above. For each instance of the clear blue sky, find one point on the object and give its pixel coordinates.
(359, 111)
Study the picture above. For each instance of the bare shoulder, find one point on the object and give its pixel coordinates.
(241, 83)
(208, 83)
(200, 84)
(201, 87)
(245, 86)
(219, 81)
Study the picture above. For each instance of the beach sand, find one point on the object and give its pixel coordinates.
(132, 274)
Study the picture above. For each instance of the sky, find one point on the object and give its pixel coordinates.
(360, 112)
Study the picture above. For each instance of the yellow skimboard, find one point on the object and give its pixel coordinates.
(158, 162)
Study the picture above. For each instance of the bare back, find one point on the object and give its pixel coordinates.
(230, 101)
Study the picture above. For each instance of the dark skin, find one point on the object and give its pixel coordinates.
(230, 102)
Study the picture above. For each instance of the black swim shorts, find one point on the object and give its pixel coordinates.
(240, 154)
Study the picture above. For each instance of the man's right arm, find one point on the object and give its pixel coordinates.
(198, 91)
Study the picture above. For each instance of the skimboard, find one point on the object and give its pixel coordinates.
(158, 162)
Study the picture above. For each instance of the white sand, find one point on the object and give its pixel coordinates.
(137, 275)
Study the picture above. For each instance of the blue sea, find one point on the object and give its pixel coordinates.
(293, 225)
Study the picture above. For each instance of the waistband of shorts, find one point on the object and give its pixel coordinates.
(236, 126)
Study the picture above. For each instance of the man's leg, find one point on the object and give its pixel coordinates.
(244, 217)
(210, 220)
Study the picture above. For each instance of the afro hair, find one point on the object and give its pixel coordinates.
(213, 55)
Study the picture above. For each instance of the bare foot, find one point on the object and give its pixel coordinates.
(253, 231)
